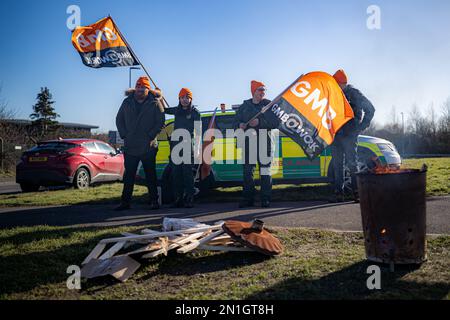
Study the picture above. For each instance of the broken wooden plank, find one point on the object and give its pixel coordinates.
(98, 249)
(224, 248)
(154, 254)
(112, 251)
(149, 247)
(120, 267)
(160, 234)
(163, 250)
(192, 237)
(221, 240)
(195, 243)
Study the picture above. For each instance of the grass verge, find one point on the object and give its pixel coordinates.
(316, 265)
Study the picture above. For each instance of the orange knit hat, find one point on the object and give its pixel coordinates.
(340, 77)
(184, 92)
(143, 81)
(255, 85)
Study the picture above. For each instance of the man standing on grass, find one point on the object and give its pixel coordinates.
(260, 126)
(188, 118)
(346, 140)
(139, 120)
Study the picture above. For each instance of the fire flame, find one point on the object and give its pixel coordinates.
(378, 168)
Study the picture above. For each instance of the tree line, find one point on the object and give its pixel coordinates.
(418, 131)
(44, 126)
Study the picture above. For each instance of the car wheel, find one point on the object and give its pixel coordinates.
(168, 195)
(82, 179)
(29, 187)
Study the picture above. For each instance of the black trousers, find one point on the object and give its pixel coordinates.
(249, 182)
(183, 180)
(344, 147)
(248, 188)
(131, 164)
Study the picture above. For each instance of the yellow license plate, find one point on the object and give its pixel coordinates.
(38, 159)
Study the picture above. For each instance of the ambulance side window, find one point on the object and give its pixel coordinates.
(225, 122)
(205, 124)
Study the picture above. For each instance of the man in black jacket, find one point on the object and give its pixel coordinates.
(139, 120)
(346, 140)
(188, 118)
(245, 113)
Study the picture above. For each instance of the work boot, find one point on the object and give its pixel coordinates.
(338, 197)
(189, 202)
(179, 203)
(154, 205)
(356, 197)
(122, 206)
(265, 203)
(246, 203)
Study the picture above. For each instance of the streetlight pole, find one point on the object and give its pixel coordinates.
(403, 133)
(129, 75)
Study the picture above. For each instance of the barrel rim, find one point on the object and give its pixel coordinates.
(409, 171)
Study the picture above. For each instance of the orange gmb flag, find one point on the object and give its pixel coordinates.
(311, 111)
(100, 45)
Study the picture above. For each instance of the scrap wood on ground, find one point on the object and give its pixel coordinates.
(114, 256)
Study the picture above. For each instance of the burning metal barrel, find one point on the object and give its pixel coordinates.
(393, 209)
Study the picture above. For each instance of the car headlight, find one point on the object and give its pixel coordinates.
(386, 147)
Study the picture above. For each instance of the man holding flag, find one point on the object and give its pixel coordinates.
(141, 115)
(139, 120)
(310, 111)
(346, 140)
(250, 119)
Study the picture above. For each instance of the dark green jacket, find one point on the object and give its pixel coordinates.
(363, 111)
(184, 119)
(139, 129)
(248, 110)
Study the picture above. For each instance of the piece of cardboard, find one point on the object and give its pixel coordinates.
(120, 267)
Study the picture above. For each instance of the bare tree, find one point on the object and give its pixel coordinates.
(444, 123)
(5, 111)
(10, 135)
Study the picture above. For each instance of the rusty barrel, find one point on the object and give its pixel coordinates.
(393, 210)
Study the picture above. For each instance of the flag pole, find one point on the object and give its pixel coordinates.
(210, 125)
(265, 108)
(137, 59)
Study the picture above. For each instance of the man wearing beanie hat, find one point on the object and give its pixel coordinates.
(244, 114)
(346, 140)
(139, 120)
(187, 117)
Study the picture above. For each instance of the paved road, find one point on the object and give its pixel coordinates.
(9, 187)
(314, 214)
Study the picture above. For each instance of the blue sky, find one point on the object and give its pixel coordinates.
(216, 48)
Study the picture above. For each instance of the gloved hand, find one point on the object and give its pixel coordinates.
(154, 143)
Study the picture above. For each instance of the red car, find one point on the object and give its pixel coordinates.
(80, 162)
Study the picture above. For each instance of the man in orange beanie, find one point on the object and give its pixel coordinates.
(260, 124)
(346, 140)
(139, 121)
(341, 78)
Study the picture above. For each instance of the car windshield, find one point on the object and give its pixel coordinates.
(52, 147)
